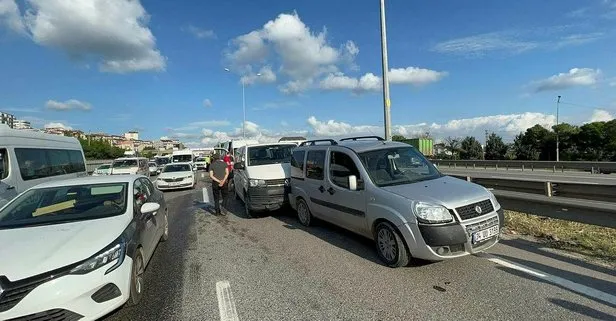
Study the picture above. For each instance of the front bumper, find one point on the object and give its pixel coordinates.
(166, 186)
(268, 198)
(71, 296)
(442, 242)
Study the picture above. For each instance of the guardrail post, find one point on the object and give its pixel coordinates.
(532, 167)
(592, 170)
(474, 166)
(507, 166)
(496, 166)
(562, 168)
(548, 189)
(522, 167)
(554, 169)
(455, 165)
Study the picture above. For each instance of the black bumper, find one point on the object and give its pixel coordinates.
(268, 198)
(443, 234)
(501, 218)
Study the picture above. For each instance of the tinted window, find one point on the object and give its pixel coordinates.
(124, 163)
(176, 168)
(4, 163)
(266, 155)
(397, 166)
(342, 166)
(297, 164)
(315, 162)
(39, 163)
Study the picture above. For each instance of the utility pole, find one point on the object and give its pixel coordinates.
(386, 101)
(485, 147)
(557, 138)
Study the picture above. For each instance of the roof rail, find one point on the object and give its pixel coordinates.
(313, 142)
(379, 138)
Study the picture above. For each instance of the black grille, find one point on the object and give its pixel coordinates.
(468, 211)
(13, 293)
(50, 315)
(106, 293)
(270, 182)
(171, 180)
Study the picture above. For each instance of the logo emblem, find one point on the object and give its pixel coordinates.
(478, 209)
(1, 290)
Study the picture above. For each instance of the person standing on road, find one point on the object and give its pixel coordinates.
(228, 159)
(219, 173)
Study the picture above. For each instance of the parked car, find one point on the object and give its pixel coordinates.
(262, 174)
(153, 168)
(104, 169)
(29, 158)
(389, 192)
(130, 166)
(78, 247)
(176, 176)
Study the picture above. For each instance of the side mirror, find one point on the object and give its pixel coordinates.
(238, 166)
(353, 182)
(150, 208)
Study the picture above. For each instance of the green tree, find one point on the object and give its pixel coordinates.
(398, 138)
(591, 141)
(566, 136)
(470, 148)
(452, 144)
(99, 149)
(495, 147)
(609, 130)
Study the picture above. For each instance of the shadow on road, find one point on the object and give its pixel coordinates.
(598, 284)
(581, 309)
(535, 247)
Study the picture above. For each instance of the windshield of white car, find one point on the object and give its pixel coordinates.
(162, 161)
(271, 154)
(125, 163)
(176, 168)
(52, 205)
(107, 166)
(152, 164)
(200, 159)
(398, 166)
(182, 158)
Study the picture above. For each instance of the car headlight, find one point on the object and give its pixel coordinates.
(257, 182)
(287, 181)
(431, 213)
(116, 251)
(495, 202)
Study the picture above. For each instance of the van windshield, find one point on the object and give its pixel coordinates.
(272, 154)
(123, 163)
(182, 158)
(65, 204)
(398, 166)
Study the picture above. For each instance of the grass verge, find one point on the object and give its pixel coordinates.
(590, 240)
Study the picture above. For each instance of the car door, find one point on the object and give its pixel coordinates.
(346, 208)
(148, 221)
(315, 182)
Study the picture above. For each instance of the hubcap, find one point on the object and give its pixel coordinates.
(387, 244)
(138, 277)
(166, 224)
(303, 213)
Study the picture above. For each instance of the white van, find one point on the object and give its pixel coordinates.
(262, 174)
(183, 156)
(130, 166)
(28, 158)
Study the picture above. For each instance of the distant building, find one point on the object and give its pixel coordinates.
(8, 119)
(132, 135)
(55, 130)
(22, 124)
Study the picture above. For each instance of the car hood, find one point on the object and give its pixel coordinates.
(31, 251)
(272, 171)
(175, 174)
(447, 191)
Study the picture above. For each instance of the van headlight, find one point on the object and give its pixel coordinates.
(431, 213)
(257, 182)
(495, 202)
(116, 251)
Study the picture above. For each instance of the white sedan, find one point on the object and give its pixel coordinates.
(175, 176)
(78, 247)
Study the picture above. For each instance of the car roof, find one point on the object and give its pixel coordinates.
(360, 145)
(272, 144)
(90, 180)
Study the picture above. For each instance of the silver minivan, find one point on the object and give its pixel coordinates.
(389, 192)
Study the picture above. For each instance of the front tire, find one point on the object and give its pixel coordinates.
(249, 213)
(136, 279)
(303, 213)
(390, 247)
(165, 236)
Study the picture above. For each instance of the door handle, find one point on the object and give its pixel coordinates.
(331, 191)
(10, 187)
(321, 189)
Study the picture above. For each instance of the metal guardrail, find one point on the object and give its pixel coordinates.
(562, 166)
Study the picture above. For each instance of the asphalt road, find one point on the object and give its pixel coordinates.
(272, 268)
(566, 177)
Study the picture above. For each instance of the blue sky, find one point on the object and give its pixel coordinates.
(457, 67)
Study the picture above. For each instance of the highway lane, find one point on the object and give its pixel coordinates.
(272, 268)
(566, 177)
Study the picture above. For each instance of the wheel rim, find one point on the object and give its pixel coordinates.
(138, 276)
(387, 244)
(166, 223)
(302, 212)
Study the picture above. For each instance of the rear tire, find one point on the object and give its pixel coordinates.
(303, 213)
(136, 279)
(390, 247)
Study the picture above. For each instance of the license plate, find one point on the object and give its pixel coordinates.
(174, 184)
(485, 234)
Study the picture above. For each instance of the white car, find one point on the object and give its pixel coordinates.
(104, 169)
(76, 249)
(175, 176)
(153, 168)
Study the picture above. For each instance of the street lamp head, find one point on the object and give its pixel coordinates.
(227, 69)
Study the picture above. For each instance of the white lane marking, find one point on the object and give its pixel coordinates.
(202, 175)
(575, 287)
(206, 196)
(226, 304)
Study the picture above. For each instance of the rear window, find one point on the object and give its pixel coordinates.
(297, 164)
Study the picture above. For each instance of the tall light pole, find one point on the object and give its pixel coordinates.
(557, 138)
(386, 101)
(243, 103)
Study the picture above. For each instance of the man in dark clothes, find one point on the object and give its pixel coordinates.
(219, 173)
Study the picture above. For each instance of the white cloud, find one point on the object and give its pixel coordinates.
(71, 104)
(200, 33)
(278, 104)
(200, 124)
(57, 125)
(11, 17)
(207, 103)
(115, 32)
(265, 75)
(371, 82)
(253, 131)
(601, 115)
(575, 77)
(164, 138)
